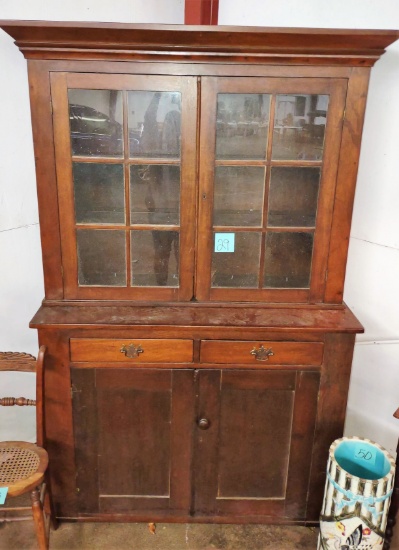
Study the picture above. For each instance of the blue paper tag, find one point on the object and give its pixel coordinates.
(224, 242)
(3, 494)
(365, 454)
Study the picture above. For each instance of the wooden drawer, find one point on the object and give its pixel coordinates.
(138, 350)
(271, 353)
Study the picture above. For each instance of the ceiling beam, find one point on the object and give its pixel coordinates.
(201, 12)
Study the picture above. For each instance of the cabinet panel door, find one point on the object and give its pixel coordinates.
(269, 150)
(130, 452)
(126, 152)
(254, 455)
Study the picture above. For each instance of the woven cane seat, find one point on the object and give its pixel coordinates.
(22, 466)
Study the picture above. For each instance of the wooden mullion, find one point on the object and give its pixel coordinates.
(291, 229)
(240, 162)
(98, 160)
(267, 189)
(297, 163)
(126, 170)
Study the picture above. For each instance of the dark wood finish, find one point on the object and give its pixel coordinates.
(195, 420)
(346, 181)
(201, 12)
(60, 83)
(334, 386)
(251, 459)
(42, 128)
(282, 319)
(133, 417)
(63, 40)
(284, 353)
(153, 351)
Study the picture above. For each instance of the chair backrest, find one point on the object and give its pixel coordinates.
(23, 362)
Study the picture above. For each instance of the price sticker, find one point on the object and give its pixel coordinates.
(365, 454)
(3, 494)
(224, 242)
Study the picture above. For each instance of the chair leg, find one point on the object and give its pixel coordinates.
(38, 518)
(50, 509)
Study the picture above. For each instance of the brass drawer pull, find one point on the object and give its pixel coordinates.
(262, 354)
(131, 350)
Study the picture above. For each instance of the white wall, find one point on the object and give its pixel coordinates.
(372, 282)
(21, 277)
(372, 285)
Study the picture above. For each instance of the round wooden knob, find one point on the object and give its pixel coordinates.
(203, 423)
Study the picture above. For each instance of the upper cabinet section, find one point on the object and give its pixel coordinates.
(179, 163)
(269, 154)
(126, 184)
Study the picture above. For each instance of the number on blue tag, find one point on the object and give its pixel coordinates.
(224, 242)
(365, 454)
(3, 494)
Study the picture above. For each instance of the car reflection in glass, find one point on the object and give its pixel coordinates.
(95, 134)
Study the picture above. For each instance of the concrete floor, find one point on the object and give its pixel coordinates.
(137, 536)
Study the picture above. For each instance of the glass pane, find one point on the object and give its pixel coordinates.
(235, 263)
(293, 197)
(155, 194)
(99, 193)
(288, 259)
(154, 124)
(96, 122)
(242, 123)
(299, 126)
(101, 257)
(155, 258)
(238, 195)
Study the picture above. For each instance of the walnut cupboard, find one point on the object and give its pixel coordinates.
(195, 190)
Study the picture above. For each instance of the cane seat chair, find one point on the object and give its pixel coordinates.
(23, 465)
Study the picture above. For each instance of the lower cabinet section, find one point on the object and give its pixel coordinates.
(208, 442)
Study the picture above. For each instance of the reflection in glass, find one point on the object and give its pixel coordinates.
(238, 269)
(242, 123)
(101, 257)
(293, 196)
(154, 124)
(288, 259)
(99, 193)
(95, 118)
(299, 125)
(155, 258)
(238, 195)
(155, 194)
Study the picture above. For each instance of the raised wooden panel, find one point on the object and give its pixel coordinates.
(262, 417)
(254, 457)
(126, 430)
(145, 350)
(283, 353)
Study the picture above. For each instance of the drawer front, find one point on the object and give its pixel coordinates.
(140, 350)
(272, 353)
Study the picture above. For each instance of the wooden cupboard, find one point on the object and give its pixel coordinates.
(195, 190)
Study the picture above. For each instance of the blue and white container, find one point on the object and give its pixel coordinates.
(359, 484)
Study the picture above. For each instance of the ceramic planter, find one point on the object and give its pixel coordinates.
(359, 484)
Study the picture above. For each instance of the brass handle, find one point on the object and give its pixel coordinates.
(131, 351)
(203, 423)
(262, 354)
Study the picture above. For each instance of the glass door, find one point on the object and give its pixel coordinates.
(125, 148)
(268, 161)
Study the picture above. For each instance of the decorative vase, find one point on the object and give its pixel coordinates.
(359, 484)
